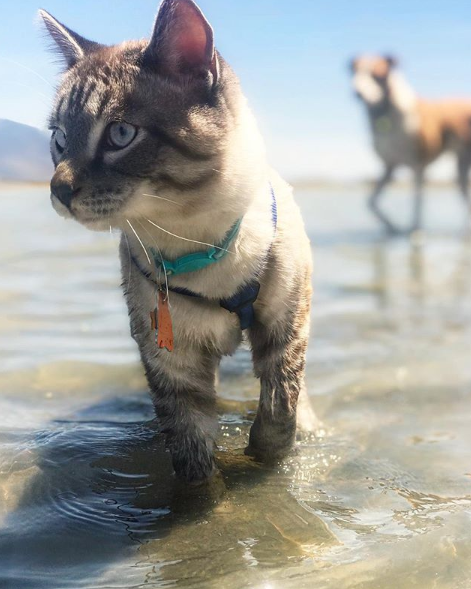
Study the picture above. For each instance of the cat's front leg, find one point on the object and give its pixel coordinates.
(279, 355)
(182, 388)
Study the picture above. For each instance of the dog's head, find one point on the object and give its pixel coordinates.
(370, 78)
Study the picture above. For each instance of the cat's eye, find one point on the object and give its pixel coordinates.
(60, 139)
(121, 134)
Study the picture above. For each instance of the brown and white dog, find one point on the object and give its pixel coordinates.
(409, 131)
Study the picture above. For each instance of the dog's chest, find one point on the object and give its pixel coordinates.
(396, 141)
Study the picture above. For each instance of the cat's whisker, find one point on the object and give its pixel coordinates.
(187, 239)
(139, 240)
(45, 99)
(160, 256)
(28, 69)
(161, 198)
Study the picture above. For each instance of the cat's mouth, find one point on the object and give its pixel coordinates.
(90, 221)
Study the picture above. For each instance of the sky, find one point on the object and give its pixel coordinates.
(291, 57)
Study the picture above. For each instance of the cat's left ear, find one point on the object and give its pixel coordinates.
(72, 47)
(182, 41)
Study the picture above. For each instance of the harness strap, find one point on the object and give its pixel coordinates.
(242, 302)
(197, 260)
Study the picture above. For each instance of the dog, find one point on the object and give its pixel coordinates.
(408, 130)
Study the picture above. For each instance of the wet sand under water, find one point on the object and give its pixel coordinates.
(377, 497)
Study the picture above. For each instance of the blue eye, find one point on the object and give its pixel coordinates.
(121, 134)
(60, 139)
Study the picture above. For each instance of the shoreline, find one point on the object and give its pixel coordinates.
(313, 184)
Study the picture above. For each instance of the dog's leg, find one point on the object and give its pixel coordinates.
(464, 163)
(182, 388)
(374, 198)
(279, 359)
(418, 199)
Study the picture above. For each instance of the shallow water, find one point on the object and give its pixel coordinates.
(379, 496)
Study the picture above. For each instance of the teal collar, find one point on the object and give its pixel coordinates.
(197, 260)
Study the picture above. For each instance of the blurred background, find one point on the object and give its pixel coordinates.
(291, 58)
(378, 496)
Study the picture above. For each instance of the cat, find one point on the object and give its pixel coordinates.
(155, 138)
(408, 130)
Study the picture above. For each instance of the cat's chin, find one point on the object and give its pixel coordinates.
(92, 223)
(95, 224)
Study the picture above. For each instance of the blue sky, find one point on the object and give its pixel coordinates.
(290, 56)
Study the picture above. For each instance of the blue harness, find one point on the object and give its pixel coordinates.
(242, 302)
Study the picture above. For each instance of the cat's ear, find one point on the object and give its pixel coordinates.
(182, 41)
(71, 46)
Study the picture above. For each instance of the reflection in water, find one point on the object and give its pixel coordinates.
(416, 267)
(378, 497)
(108, 486)
(384, 271)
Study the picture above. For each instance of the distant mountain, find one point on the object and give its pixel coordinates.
(24, 153)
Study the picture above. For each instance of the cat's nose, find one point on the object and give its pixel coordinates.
(64, 191)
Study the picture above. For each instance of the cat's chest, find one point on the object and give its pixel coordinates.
(194, 321)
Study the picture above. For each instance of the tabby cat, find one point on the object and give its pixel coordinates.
(154, 138)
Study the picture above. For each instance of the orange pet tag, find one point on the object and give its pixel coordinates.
(164, 324)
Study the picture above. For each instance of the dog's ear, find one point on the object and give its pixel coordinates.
(391, 60)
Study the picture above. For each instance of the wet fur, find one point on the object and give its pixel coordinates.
(201, 153)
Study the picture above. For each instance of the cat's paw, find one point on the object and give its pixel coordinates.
(271, 441)
(192, 459)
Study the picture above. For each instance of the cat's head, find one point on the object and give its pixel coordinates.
(144, 117)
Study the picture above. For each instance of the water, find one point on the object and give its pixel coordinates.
(379, 496)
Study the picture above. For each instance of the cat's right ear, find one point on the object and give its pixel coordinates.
(71, 46)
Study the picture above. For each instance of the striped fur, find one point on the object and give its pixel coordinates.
(199, 156)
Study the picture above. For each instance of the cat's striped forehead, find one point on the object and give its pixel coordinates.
(90, 96)
(98, 87)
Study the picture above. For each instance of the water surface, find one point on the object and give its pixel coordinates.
(377, 497)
